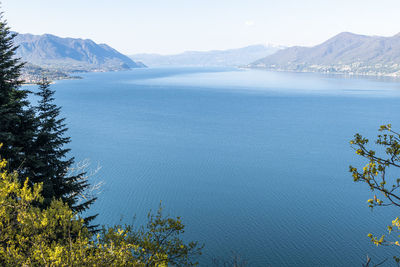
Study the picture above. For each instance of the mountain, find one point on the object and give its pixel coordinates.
(344, 53)
(231, 57)
(70, 54)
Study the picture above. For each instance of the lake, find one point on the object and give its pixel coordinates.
(255, 162)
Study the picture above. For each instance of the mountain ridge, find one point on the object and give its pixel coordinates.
(343, 53)
(70, 54)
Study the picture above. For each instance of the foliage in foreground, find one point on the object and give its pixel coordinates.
(56, 236)
(378, 175)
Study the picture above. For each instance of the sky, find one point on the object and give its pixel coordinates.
(174, 26)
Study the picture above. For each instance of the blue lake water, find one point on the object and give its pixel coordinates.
(255, 162)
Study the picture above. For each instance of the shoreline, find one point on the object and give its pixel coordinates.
(361, 75)
(52, 81)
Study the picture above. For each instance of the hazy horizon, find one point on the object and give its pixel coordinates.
(134, 27)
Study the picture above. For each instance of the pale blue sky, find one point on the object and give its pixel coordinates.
(172, 26)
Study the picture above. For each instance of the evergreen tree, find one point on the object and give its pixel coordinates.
(51, 161)
(34, 139)
(17, 119)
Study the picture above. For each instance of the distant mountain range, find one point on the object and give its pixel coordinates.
(70, 54)
(226, 58)
(345, 53)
